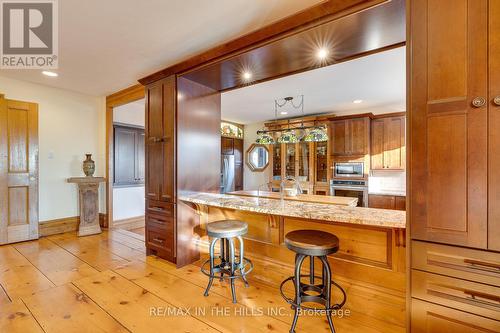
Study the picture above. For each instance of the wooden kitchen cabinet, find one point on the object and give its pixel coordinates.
(160, 140)
(454, 179)
(238, 164)
(387, 202)
(350, 136)
(388, 148)
(227, 146)
(449, 117)
(160, 168)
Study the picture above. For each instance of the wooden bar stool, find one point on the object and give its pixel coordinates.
(312, 244)
(227, 265)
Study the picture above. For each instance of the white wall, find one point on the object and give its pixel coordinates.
(70, 124)
(129, 201)
(252, 180)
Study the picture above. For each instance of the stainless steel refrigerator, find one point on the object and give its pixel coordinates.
(227, 173)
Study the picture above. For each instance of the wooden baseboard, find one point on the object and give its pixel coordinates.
(60, 226)
(129, 223)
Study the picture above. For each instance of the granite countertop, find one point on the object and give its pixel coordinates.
(315, 211)
(326, 199)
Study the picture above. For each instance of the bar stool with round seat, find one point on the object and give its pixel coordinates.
(312, 244)
(226, 264)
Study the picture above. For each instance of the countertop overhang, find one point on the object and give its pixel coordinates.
(315, 211)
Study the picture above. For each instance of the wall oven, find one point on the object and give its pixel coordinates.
(349, 169)
(350, 188)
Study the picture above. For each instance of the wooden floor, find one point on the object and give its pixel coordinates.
(105, 283)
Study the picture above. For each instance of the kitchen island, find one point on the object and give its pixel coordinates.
(370, 263)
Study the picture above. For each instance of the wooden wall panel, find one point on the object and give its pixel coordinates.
(198, 157)
(369, 245)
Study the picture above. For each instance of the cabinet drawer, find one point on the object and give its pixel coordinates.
(160, 208)
(431, 318)
(467, 264)
(160, 240)
(476, 298)
(159, 221)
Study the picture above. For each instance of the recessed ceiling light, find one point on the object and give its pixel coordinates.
(322, 53)
(247, 75)
(51, 74)
(357, 101)
(283, 112)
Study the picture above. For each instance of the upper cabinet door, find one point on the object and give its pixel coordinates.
(160, 140)
(448, 91)
(394, 143)
(339, 136)
(359, 129)
(377, 151)
(494, 123)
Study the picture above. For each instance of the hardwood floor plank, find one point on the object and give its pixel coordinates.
(57, 264)
(16, 318)
(124, 238)
(131, 305)
(66, 309)
(184, 294)
(90, 251)
(18, 276)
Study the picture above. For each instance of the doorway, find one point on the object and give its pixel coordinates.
(129, 168)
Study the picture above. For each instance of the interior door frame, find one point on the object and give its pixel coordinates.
(119, 98)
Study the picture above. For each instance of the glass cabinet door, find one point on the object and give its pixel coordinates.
(290, 159)
(277, 162)
(304, 153)
(321, 161)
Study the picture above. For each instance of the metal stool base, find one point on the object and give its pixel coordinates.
(323, 290)
(230, 267)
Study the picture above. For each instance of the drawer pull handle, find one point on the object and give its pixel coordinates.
(487, 266)
(158, 240)
(156, 221)
(482, 298)
(157, 209)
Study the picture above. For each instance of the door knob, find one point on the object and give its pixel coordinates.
(478, 102)
(496, 100)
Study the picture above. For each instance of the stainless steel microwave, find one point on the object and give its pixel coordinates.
(349, 169)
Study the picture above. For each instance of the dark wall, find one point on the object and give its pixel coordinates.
(198, 156)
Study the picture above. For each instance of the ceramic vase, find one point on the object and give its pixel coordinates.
(88, 166)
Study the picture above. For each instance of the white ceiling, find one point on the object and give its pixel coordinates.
(105, 46)
(379, 80)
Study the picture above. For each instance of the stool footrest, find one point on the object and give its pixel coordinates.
(312, 298)
(238, 271)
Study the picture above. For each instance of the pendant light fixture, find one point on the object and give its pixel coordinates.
(292, 135)
(264, 139)
(317, 134)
